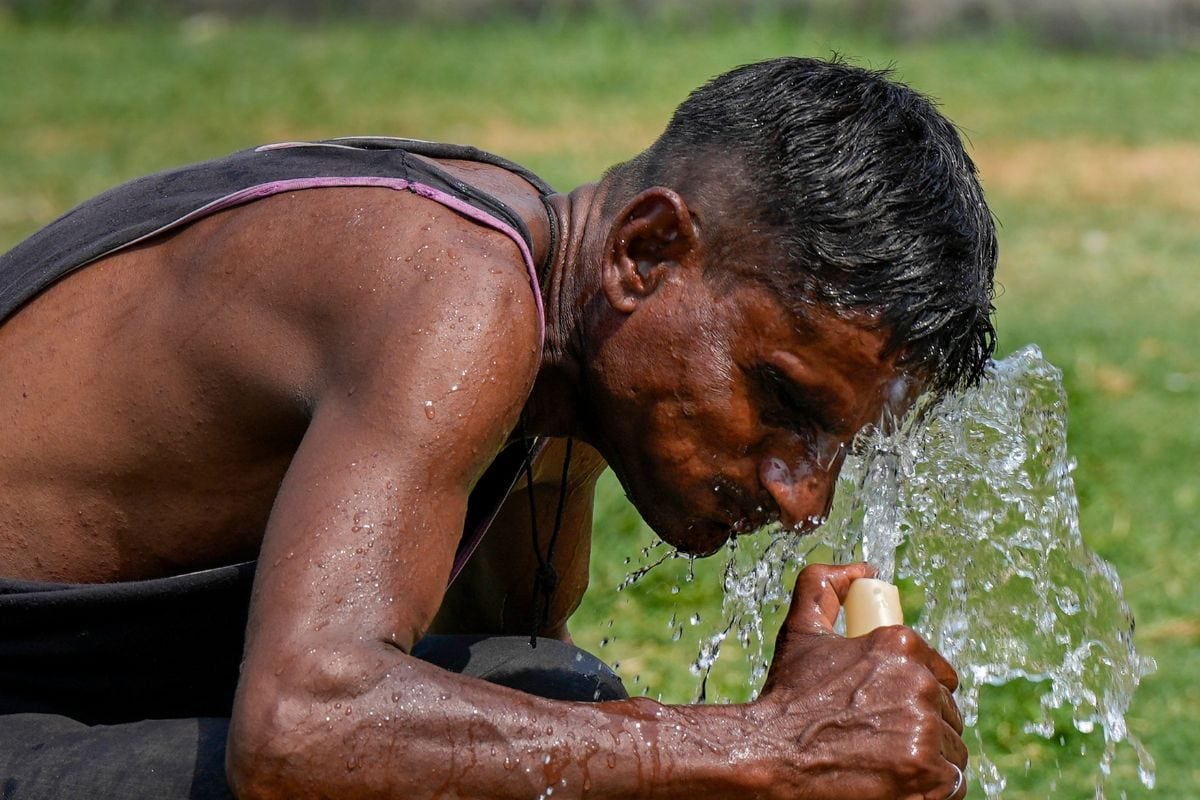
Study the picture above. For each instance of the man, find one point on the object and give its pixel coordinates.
(333, 360)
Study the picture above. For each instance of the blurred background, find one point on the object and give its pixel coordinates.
(1083, 116)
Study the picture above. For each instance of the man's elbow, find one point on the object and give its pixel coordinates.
(266, 750)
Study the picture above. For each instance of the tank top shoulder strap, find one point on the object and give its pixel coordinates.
(462, 152)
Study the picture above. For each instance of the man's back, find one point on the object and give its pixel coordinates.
(153, 400)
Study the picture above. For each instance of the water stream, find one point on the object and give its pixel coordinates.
(971, 507)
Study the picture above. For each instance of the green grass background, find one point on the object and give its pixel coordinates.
(1091, 161)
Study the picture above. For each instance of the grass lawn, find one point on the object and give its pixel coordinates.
(1091, 162)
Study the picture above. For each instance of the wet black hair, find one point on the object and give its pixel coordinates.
(864, 191)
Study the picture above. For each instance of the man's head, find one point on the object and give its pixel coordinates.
(803, 247)
(836, 187)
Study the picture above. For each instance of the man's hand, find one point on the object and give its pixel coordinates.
(871, 717)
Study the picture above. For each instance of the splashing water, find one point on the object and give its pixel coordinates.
(973, 504)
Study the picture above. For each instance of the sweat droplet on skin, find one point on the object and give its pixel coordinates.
(429, 409)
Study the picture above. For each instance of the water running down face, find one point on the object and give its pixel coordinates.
(735, 414)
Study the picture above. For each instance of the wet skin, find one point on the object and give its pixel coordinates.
(322, 377)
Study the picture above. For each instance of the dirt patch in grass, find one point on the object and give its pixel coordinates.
(1162, 176)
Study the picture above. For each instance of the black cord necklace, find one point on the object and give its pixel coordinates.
(546, 578)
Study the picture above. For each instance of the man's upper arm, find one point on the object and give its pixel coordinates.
(423, 380)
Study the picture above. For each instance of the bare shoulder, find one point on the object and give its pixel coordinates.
(368, 280)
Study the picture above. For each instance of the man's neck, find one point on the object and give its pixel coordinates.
(571, 284)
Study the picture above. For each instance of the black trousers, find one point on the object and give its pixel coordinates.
(50, 757)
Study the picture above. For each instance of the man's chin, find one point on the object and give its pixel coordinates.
(699, 538)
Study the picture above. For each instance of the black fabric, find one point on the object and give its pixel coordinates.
(107, 653)
(49, 757)
(553, 669)
(52, 757)
(126, 213)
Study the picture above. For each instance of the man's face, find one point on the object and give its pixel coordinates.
(723, 412)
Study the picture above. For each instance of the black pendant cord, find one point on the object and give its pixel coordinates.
(546, 577)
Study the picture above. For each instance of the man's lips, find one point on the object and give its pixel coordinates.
(742, 512)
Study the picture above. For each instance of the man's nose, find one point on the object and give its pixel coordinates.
(803, 492)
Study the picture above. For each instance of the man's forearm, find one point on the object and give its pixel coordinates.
(417, 731)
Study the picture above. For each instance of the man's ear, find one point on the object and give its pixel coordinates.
(654, 233)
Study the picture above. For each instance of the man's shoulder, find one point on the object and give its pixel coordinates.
(380, 278)
(394, 254)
